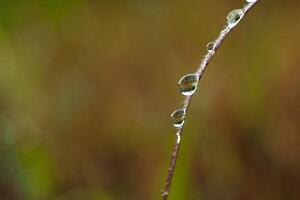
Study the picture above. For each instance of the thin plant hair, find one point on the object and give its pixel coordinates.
(212, 49)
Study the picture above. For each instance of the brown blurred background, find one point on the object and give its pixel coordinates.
(87, 88)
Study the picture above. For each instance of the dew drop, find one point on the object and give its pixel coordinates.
(165, 194)
(211, 47)
(188, 84)
(234, 17)
(178, 117)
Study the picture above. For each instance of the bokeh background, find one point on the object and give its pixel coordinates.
(87, 88)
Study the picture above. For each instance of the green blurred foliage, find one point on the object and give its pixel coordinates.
(87, 87)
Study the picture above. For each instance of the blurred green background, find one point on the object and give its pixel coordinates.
(87, 88)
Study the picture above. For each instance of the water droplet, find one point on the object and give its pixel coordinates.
(164, 194)
(251, 1)
(188, 84)
(234, 17)
(211, 47)
(178, 117)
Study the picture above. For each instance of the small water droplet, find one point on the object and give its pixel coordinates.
(234, 17)
(251, 1)
(178, 117)
(188, 84)
(211, 47)
(165, 194)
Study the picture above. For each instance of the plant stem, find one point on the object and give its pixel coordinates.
(200, 71)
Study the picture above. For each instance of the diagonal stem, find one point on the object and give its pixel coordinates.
(200, 71)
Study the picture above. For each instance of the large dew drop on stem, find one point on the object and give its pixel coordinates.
(234, 17)
(178, 117)
(188, 84)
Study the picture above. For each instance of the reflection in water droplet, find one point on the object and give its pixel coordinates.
(234, 17)
(211, 47)
(188, 84)
(251, 1)
(178, 117)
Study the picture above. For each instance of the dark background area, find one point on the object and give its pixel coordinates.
(87, 88)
